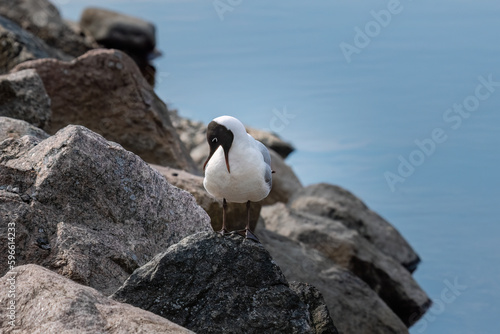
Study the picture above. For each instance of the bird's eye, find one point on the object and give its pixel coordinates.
(214, 140)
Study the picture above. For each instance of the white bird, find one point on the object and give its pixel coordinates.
(238, 168)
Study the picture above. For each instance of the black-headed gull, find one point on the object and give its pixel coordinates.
(238, 168)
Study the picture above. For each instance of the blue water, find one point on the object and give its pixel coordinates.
(351, 121)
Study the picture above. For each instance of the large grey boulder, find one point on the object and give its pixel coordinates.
(353, 305)
(42, 19)
(18, 45)
(23, 96)
(88, 209)
(393, 283)
(15, 128)
(104, 91)
(334, 202)
(46, 302)
(214, 284)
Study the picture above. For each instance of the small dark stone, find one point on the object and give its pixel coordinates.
(23, 96)
(43, 243)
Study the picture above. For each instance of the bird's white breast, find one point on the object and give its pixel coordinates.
(245, 182)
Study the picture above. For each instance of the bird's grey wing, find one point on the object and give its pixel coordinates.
(265, 152)
(267, 159)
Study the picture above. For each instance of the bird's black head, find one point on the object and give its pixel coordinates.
(219, 135)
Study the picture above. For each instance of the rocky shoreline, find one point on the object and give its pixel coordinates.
(110, 230)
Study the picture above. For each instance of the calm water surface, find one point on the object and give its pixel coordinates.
(353, 121)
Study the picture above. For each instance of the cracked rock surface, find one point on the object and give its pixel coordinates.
(49, 303)
(214, 284)
(88, 209)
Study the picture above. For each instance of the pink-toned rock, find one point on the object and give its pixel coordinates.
(132, 35)
(46, 302)
(105, 91)
(88, 209)
(16, 128)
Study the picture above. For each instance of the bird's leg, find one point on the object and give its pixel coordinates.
(249, 234)
(223, 230)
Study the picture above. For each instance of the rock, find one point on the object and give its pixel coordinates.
(272, 141)
(119, 31)
(285, 182)
(236, 213)
(18, 45)
(15, 128)
(337, 203)
(134, 36)
(353, 305)
(88, 209)
(192, 133)
(42, 19)
(17, 137)
(236, 288)
(320, 317)
(104, 91)
(199, 154)
(22, 96)
(393, 283)
(49, 303)
(194, 136)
